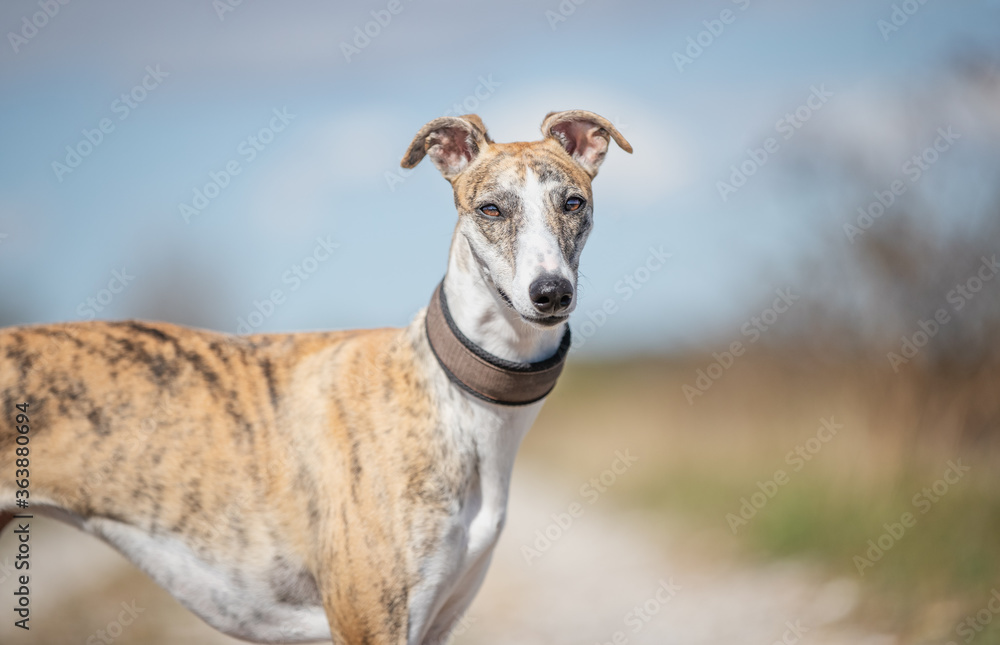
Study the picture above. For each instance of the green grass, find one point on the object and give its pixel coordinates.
(952, 551)
(699, 461)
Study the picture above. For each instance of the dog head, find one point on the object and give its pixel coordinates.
(525, 209)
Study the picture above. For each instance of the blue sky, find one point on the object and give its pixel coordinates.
(324, 175)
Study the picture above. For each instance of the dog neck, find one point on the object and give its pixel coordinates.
(485, 318)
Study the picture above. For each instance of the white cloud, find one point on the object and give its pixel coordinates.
(886, 125)
(347, 152)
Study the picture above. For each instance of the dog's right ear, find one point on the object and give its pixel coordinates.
(452, 142)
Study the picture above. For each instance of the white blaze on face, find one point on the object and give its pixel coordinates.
(537, 251)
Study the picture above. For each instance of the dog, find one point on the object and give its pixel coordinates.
(303, 487)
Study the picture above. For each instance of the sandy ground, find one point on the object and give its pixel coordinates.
(607, 578)
(587, 586)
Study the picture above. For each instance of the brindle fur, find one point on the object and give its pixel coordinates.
(177, 423)
(322, 470)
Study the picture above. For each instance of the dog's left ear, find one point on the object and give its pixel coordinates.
(584, 135)
(451, 142)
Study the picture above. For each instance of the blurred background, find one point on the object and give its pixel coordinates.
(788, 427)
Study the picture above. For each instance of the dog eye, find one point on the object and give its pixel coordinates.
(573, 204)
(490, 210)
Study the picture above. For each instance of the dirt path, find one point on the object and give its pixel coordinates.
(588, 584)
(582, 589)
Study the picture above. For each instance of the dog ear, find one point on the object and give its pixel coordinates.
(451, 142)
(584, 135)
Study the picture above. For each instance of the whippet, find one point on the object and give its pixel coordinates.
(292, 488)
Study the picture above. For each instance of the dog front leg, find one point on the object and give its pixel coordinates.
(365, 598)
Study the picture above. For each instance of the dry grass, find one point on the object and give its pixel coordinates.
(899, 432)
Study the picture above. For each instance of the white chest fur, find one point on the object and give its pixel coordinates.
(454, 572)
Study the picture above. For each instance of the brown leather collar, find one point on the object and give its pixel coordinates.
(482, 374)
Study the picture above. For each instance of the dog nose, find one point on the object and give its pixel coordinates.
(551, 295)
